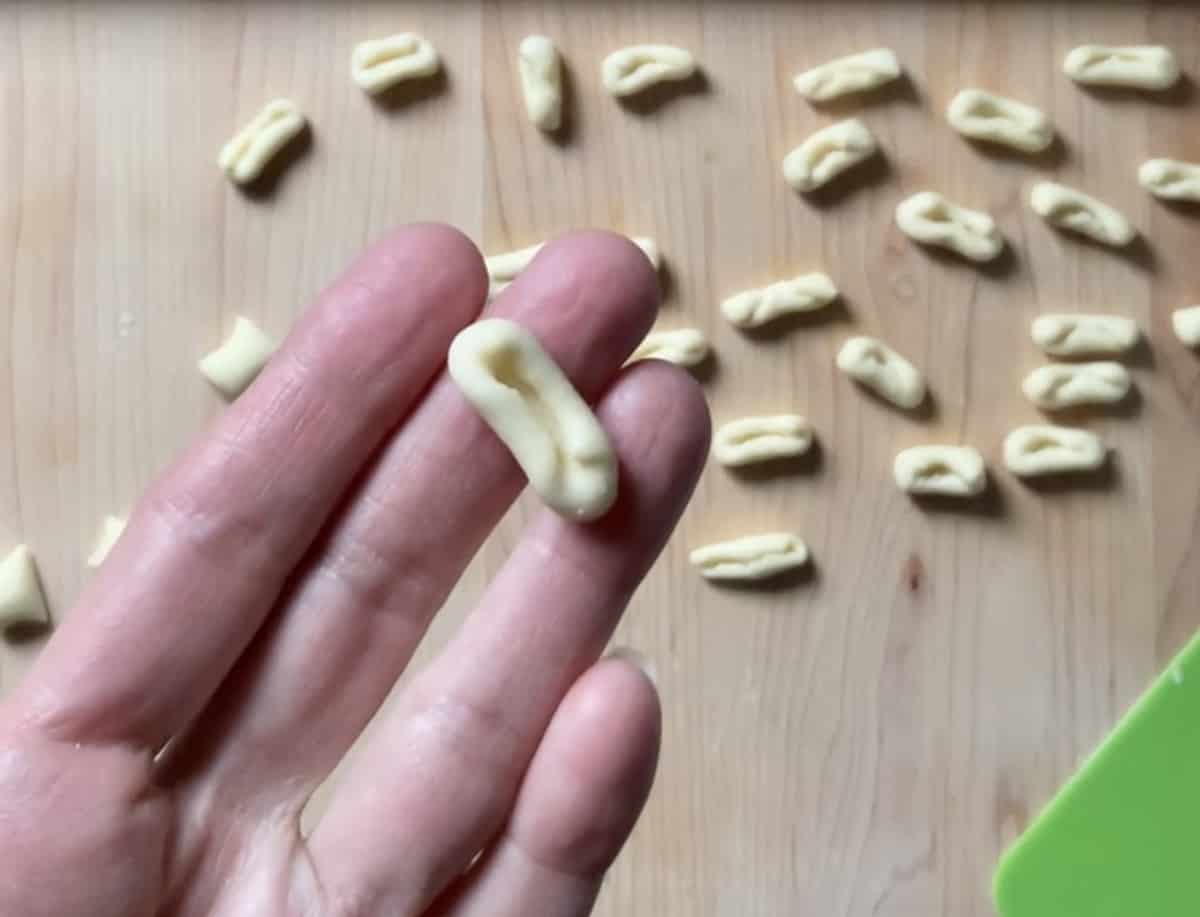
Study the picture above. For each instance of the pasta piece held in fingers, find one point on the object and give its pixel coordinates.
(529, 403)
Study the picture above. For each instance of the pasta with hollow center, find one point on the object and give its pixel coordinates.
(529, 403)
(827, 154)
(872, 363)
(1133, 66)
(1068, 208)
(754, 308)
(1062, 335)
(1171, 179)
(846, 75)
(760, 439)
(631, 70)
(927, 217)
(751, 558)
(378, 64)
(1068, 385)
(245, 157)
(983, 115)
(951, 471)
(1041, 449)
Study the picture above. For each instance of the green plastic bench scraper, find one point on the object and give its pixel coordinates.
(1122, 838)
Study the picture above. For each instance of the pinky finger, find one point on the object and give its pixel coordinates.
(579, 801)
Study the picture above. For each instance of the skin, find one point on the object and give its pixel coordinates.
(275, 582)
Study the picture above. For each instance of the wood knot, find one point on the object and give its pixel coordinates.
(914, 573)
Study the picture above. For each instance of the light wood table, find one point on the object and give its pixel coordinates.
(864, 742)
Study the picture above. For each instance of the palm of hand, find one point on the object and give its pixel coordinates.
(276, 581)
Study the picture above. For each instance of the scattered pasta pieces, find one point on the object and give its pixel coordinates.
(950, 471)
(872, 363)
(753, 308)
(245, 156)
(1084, 335)
(1170, 179)
(236, 363)
(1070, 209)
(845, 75)
(540, 68)
(681, 346)
(522, 394)
(752, 558)
(1186, 323)
(1136, 67)
(927, 217)
(1067, 385)
(1044, 449)
(22, 600)
(631, 70)
(380, 63)
(110, 530)
(760, 439)
(983, 115)
(827, 154)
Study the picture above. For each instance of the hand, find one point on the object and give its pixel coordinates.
(273, 585)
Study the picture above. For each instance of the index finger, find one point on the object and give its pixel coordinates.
(211, 545)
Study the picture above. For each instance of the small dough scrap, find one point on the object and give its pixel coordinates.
(22, 601)
(927, 217)
(761, 439)
(503, 269)
(540, 67)
(638, 67)
(952, 471)
(1070, 209)
(1133, 66)
(872, 363)
(850, 74)
(245, 156)
(380, 63)
(110, 530)
(753, 557)
(1171, 179)
(806, 293)
(1186, 323)
(237, 362)
(1045, 449)
(1084, 335)
(983, 115)
(681, 346)
(828, 153)
(1068, 385)
(522, 394)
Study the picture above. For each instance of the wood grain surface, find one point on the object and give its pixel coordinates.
(860, 741)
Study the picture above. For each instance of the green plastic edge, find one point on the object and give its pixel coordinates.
(1185, 667)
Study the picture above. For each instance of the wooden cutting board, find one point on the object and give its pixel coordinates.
(863, 742)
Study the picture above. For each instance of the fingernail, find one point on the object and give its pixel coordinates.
(637, 659)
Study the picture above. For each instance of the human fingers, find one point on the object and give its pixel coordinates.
(356, 613)
(211, 544)
(578, 803)
(446, 761)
